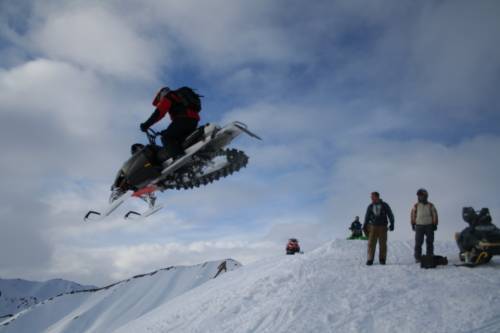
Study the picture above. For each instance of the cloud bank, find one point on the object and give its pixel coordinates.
(349, 96)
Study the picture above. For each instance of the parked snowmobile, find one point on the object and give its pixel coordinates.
(292, 246)
(150, 169)
(479, 242)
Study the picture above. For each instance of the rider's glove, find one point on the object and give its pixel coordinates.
(413, 227)
(434, 227)
(391, 227)
(144, 127)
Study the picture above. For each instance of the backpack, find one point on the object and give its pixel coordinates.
(189, 98)
(432, 261)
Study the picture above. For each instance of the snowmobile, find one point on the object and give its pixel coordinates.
(150, 169)
(293, 246)
(357, 235)
(480, 241)
(356, 231)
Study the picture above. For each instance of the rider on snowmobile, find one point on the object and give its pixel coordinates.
(293, 246)
(184, 117)
(356, 229)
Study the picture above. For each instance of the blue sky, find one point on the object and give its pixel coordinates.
(349, 96)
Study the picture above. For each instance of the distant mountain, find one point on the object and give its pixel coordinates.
(17, 294)
(108, 308)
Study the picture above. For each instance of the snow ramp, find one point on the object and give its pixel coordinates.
(332, 290)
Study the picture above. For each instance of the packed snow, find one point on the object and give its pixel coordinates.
(332, 290)
(18, 294)
(327, 290)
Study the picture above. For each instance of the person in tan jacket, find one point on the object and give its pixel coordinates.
(424, 221)
(378, 217)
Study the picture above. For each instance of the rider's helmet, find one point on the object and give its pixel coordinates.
(160, 94)
(422, 192)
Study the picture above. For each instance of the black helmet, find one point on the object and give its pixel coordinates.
(160, 94)
(422, 191)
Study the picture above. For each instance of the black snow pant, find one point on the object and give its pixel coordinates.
(420, 232)
(175, 134)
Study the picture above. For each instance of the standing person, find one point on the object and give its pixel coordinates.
(424, 221)
(378, 215)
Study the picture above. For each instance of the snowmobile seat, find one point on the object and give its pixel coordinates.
(194, 137)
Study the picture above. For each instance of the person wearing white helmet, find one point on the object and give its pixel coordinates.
(424, 221)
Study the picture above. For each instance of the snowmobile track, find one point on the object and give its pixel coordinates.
(236, 159)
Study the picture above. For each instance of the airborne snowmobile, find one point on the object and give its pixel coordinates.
(479, 242)
(150, 169)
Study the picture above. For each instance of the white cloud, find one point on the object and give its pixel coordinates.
(321, 83)
(222, 34)
(71, 96)
(455, 56)
(97, 39)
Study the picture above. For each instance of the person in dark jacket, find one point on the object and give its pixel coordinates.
(378, 216)
(356, 229)
(184, 119)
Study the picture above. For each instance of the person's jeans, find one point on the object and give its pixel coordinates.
(377, 233)
(176, 133)
(422, 231)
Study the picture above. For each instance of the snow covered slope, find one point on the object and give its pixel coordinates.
(17, 294)
(105, 309)
(332, 290)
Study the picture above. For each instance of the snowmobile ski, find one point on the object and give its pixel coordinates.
(466, 264)
(145, 214)
(110, 209)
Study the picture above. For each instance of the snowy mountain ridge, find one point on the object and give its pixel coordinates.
(107, 308)
(18, 294)
(329, 289)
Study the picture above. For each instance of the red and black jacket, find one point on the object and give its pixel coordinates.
(171, 104)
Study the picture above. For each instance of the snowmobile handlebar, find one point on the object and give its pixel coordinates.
(152, 134)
